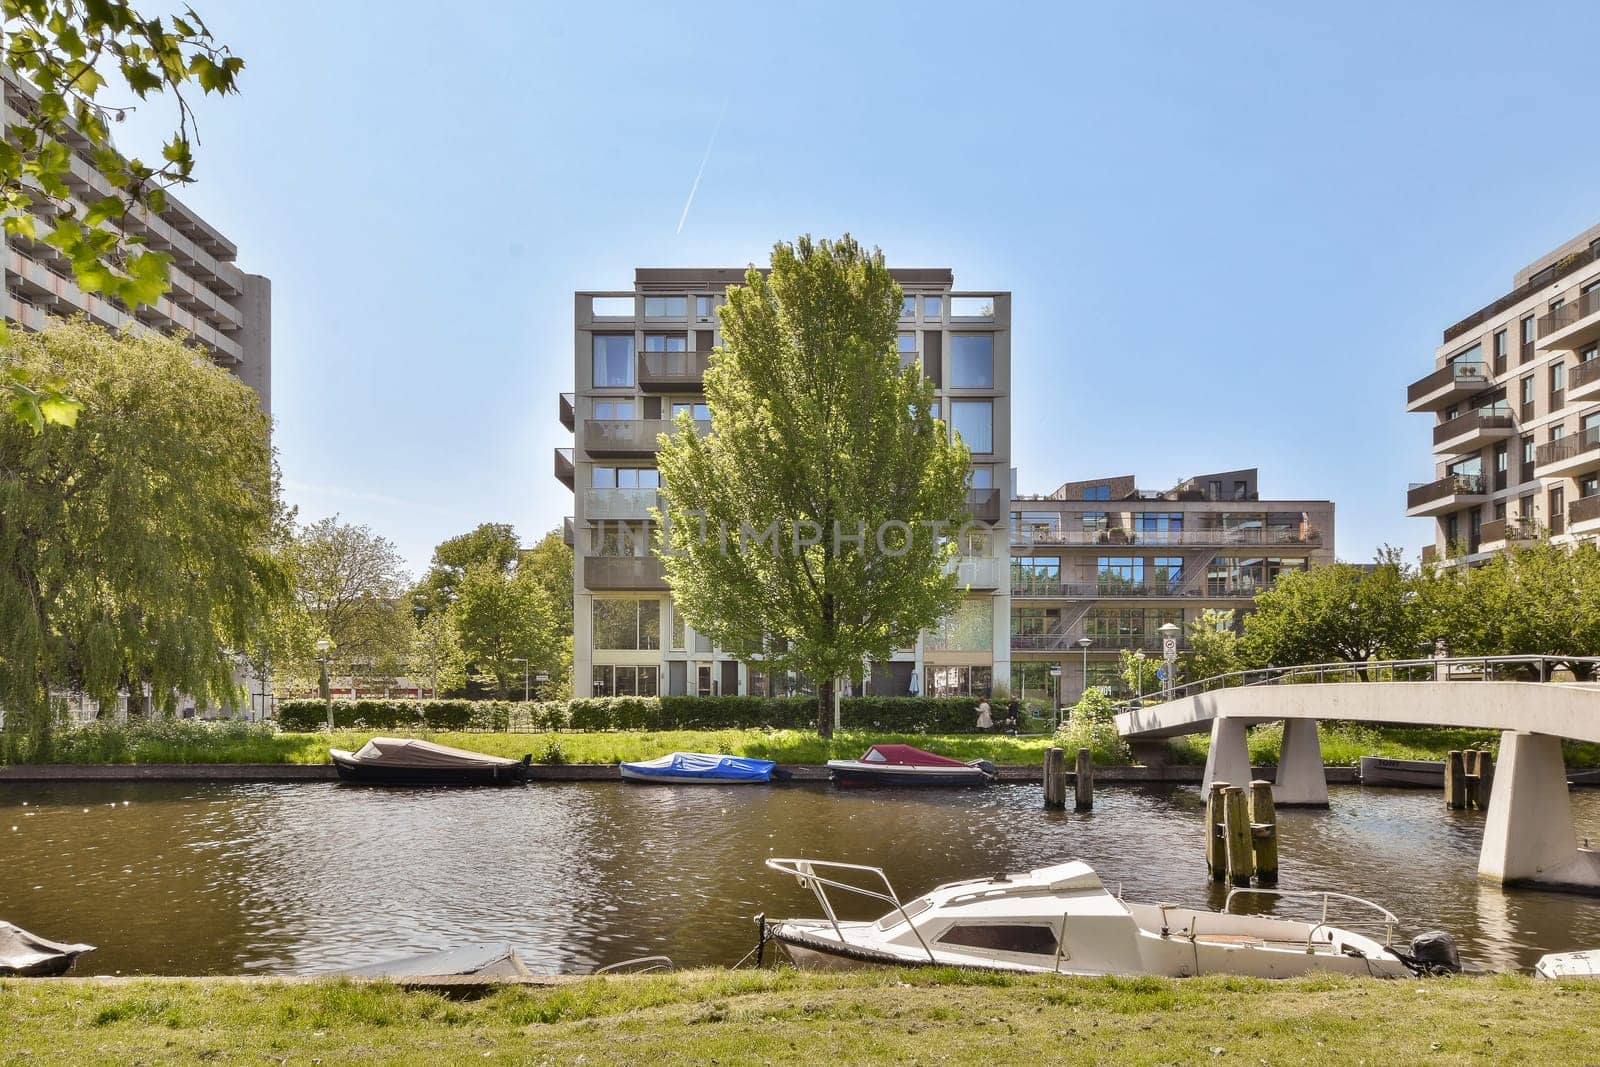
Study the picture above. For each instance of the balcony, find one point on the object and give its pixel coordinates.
(1471, 432)
(619, 503)
(976, 572)
(1583, 515)
(1450, 493)
(569, 536)
(569, 414)
(1583, 382)
(984, 504)
(1446, 386)
(623, 572)
(1056, 641)
(665, 372)
(1571, 326)
(1501, 533)
(565, 473)
(627, 437)
(1303, 535)
(1026, 589)
(1578, 453)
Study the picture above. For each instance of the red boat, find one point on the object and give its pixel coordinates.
(904, 765)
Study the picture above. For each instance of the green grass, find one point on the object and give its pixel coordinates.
(783, 1016)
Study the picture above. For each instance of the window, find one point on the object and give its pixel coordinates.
(666, 307)
(1095, 520)
(981, 477)
(698, 410)
(1241, 490)
(1102, 492)
(705, 307)
(908, 307)
(1158, 522)
(1527, 397)
(619, 539)
(1589, 485)
(665, 342)
(1502, 462)
(625, 478)
(1527, 457)
(1558, 510)
(613, 360)
(970, 628)
(972, 307)
(1002, 937)
(611, 307)
(974, 421)
(1500, 351)
(907, 340)
(1588, 354)
(1035, 574)
(613, 409)
(1527, 338)
(1120, 574)
(1557, 432)
(1245, 575)
(1525, 508)
(1558, 382)
(958, 681)
(678, 627)
(627, 625)
(972, 361)
(932, 306)
(625, 681)
(1166, 573)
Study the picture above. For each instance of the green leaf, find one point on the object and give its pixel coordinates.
(59, 410)
(107, 207)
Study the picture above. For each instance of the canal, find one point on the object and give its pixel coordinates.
(182, 878)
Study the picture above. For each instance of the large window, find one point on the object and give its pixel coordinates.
(698, 410)
(665, 342)
(666, 307)
(972, 361)
(1097, 492)
(958, 681)
(613, 409)
(624, 478)
(1118, 627)
(970, 628)
(627, 625)
(1247, 576)
(705, 307)
(625, 681)
(1034, 574)
(974, 421)
(613, 360)
(1120, 574)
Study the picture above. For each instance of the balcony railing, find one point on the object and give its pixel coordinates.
(1473, 422)
(565, 472)
(1298, 535)
(1568, 447)
(984, 504)
(569, 414)
(1057, 641)
(977, 572)
(1584, 509)
(1583, 374)
(615, 436)
(619, 503)
(1538, 281)
(1567, 314)
(1450, 485)
(623, 572)
(1464, 374)
(672, 370)
(1507, 530)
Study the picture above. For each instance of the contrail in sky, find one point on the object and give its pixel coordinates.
(687, 204)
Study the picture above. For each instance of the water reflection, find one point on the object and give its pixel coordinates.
(183, 878)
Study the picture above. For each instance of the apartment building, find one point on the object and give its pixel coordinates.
(639, 359)
(218, 305)
(1516, 403)
(1099, 566)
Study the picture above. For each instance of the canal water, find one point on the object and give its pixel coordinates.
(179, 878)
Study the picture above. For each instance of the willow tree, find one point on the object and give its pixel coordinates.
(812, 525)
(138, 548)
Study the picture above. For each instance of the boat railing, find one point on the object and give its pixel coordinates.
(642, 965)
(805, 872)
(1389, 921)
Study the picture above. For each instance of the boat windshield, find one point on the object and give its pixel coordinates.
(911, 909)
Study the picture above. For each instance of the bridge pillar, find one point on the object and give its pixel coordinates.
(1302, 782)
(1228, 758)
(1528, 835)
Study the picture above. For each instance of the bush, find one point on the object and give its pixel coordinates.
(1093, 726)
(413, 715)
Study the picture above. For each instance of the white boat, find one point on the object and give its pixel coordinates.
(1569, 965)
(30, 955)
(1061, 920)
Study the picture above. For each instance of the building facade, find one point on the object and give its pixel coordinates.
(1515, 397)
(639, 359)
(1098, 567)
(218, 305)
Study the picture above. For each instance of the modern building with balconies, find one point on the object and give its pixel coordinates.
(1516, 397)
(219, 307)
(1098, 567)
(640, 356)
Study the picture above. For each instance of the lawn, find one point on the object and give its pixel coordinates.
(783, 1016)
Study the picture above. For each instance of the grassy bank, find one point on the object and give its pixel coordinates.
(787, 1017)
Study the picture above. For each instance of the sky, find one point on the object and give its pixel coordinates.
(1233, 233)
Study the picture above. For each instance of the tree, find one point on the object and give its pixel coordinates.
(1338, 612)
(492, 543)
(1213, 645)
(548, 564)
(811, 527)
(1140, 673)
(502, 618)
(436, 654)
(138, 549)
(350, 585)
(1539, 599)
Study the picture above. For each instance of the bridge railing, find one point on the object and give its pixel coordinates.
(1431, 669)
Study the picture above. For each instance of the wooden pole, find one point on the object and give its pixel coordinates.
(1216, 842)
(1055, 778)
(1264, 831)
(1485, 779)
(1236, 822)
(1083, 781)
(1455, 781)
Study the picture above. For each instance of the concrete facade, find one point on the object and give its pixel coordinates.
(1515, 396)
(1106, 561)
(639, 356)
(219, 306)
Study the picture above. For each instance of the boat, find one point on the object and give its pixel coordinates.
(1584, 964)
(1062, 920)
(1407, 773)
(905, 765)
(31, 956)
(699, 768)
(482, 960)
(408, 761)
(1584, 778)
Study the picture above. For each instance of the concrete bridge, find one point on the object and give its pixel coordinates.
(1528, 834)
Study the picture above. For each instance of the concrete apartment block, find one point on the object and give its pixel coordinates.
(217, 305)
(1098, 566)
(639, 358)
(1515, 396)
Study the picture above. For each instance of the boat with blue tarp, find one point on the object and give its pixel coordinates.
(699, 768)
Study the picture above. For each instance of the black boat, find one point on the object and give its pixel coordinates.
(31, 956)
(407, 761)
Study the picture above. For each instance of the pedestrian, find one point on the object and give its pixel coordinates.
(1014, 716)
(985, 717)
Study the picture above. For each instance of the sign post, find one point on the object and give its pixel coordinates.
(1055, 677)
(1169, 655)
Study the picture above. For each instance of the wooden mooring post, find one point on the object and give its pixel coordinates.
(1083, 782)
(1264, 832)
(1485, 780)
(1055, 778)
(1236, 825)
(1216, 840)
(1455, 780)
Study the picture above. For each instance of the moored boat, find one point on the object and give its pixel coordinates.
(699, 768)
(409, 761)
(31, 956)
(1062, 920)
(905, 765)
(1407, 773)
(1584, 964)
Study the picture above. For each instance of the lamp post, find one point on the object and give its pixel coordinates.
(323, 645)
(1138, 670)
(1169, 652)
(524, 661)
(1083, 643)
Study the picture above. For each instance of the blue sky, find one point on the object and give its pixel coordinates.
(1233, 232)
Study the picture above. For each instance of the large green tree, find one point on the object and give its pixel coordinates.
(350, 587)
(493, 544)
(813, 524)
(1338, 612)
(502, 618)
(138, 549)
(1213, 646)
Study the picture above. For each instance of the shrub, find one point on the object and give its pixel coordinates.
(1093, 726)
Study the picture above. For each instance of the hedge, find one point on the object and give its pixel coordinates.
(943, 715)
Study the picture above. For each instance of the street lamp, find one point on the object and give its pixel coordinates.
(524, 661)
(1138, 670)
(1169, 632)
(1083, 643)
(323, 645)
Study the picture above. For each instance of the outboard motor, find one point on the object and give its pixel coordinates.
(987, 768)
(1434, 953)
